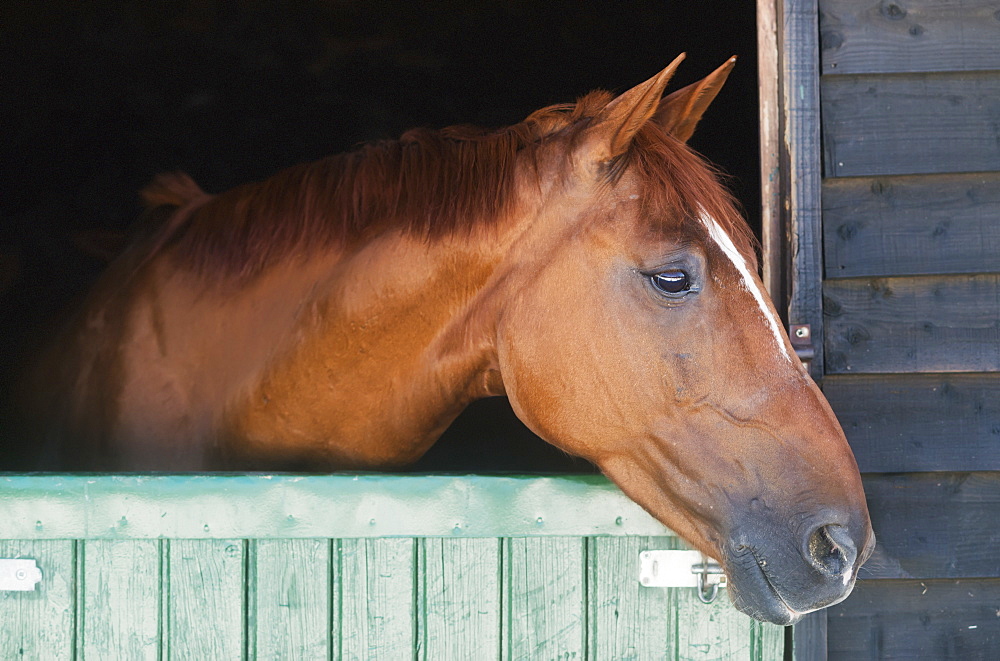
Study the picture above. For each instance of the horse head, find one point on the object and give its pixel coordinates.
(636, 333)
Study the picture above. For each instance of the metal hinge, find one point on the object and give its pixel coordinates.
(801, 337)
(19, 575)
(682, 569)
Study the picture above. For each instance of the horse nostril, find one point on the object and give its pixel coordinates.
(831, 550)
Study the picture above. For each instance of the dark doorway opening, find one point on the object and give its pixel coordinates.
(97, 99)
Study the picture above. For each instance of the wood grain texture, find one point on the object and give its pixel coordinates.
(626, 620)
(253, 597)
(911, 123)
(934, 525)
(916, 225)
(810, 637)
(919, 422)
(629, 621)
(205, 605)
(120, 600)
(917, 621)
(376, 594)
(774, 242)
(40, 624)
(801, 185)
(459, 599)
(291, 598)
(909, 35)
(544, 585)
(769, 644)
(232, 506)
(718, 632)
(919, 324)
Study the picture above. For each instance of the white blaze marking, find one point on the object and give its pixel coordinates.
(722, 239)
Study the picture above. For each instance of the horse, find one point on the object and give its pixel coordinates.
(585, 263)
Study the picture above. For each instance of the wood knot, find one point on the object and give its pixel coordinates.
(892, 11)
(831, 40)
(847, 231)
(855, 335)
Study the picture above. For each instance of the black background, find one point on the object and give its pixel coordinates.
(96, 98)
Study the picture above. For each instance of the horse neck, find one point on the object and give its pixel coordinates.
(399, 341)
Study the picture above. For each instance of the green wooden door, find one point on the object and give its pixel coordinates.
(348, 567)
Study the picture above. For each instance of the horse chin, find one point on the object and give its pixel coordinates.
(753, 593)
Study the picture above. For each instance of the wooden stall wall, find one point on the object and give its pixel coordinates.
(349, 567)
(910, 107)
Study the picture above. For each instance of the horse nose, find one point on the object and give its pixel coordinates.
(831, 550)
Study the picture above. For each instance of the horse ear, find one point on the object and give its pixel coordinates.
(619, 121)
(680, 111)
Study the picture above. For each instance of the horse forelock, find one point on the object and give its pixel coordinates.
(429, 183)
(677, 185)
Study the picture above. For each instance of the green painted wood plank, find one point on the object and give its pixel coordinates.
(768, 642)
(719, 632)
(910, 35)
(206, 599)
(625, 620)
(628, 621)
(120, 604)
(291, 598)
(544, 586)
(40, 624)
(376, 595)
(459, 599)
(298, 507)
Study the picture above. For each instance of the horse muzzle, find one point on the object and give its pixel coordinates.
(781, 582)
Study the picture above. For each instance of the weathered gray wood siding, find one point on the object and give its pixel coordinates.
(910, 104)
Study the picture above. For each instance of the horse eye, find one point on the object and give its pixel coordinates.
(671, 282)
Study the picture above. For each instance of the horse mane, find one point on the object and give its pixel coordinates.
(429, 183)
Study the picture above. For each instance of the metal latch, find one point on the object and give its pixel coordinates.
(682, 569)
(21, 575)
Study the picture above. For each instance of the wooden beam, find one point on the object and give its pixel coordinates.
(942, 323)
(911, 123)
(790, 175)
(801, 181)
(916, 35)
(919, 422)
(222, 506)
(916, 225)
(773, 236)
(917, 620)
(934, 525)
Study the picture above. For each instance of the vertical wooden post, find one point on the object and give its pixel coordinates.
(788, 61)
(773, 238)
(800, 96)
(788, 56)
